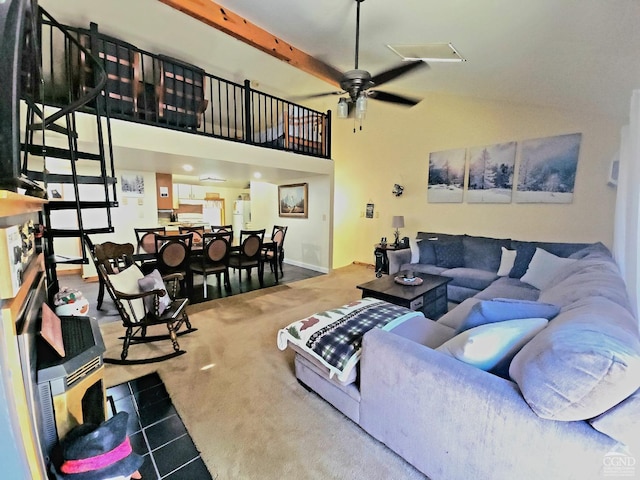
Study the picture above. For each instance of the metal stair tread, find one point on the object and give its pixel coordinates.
(72, 204)
(65, 178)
(56, 152)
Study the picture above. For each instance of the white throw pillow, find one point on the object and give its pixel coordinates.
(415, 252)
(506, 262)
(126, 281)
(543, 267)
(485, 346)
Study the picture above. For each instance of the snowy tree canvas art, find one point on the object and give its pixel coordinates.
(547, 170)
(446, 176)
(491, 173)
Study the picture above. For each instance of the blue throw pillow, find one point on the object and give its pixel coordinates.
(450, 253)
(502, 309)
(427, 254)
(524, 254)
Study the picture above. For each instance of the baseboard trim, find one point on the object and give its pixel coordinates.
(68, 271)
(315, 268)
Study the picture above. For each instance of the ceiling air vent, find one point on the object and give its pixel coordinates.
(429, 52)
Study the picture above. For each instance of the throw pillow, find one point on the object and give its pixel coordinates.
(449, 254)
(502, 309)
(126, 281)
(487, 345)
(524, 254)
(506, 262)
(543, 267)
(415, 250)
(154, 281)
(427, 255)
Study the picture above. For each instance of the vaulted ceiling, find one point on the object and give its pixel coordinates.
(573, 54)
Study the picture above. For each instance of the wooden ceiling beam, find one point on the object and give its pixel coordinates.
(220, 18)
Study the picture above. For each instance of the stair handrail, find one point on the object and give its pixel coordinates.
(90, 94)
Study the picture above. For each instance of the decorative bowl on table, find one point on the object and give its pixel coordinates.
(407, 279)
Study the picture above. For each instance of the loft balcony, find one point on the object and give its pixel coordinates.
(166, 92)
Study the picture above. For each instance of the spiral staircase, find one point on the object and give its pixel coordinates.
(59, 157)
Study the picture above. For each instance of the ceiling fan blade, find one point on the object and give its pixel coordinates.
(316, 95)
(392, 98)
(395, 72)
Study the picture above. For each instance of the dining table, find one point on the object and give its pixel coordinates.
(141, 254)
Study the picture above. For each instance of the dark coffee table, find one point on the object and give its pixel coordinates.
(430, 297)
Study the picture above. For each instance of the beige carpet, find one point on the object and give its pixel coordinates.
(239, 398)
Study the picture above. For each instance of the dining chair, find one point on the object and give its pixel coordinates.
(214, 259)
(249, 254)
(198, 232)
(173, 254)
(269, 255)
(147, 243)
(113, 257)
(142, 302)
(223, 228)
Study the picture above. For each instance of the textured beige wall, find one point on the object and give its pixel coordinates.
(394, 147)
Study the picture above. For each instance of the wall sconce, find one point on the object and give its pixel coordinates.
(343, 108)
(397, 222)
(397, 189)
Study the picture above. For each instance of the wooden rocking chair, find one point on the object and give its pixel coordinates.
(141, 308)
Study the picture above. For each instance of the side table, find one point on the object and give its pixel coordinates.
(382, 261)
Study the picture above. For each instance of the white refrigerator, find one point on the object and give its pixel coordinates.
(241, 215)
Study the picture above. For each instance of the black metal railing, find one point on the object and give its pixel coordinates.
(167, 92)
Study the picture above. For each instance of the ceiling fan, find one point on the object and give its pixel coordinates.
(357, 83)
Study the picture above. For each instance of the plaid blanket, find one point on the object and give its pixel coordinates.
(334, 337)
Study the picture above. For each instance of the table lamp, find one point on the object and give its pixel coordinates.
(397, 222)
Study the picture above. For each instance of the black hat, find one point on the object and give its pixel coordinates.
(93, 452)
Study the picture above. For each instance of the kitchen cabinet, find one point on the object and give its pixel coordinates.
(190, 192)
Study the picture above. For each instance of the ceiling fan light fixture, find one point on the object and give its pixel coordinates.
(429, 52)
(361, 105)
(343, 108)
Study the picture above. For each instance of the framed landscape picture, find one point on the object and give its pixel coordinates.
(293, 200)
(132, 185)
(547, 171)
(446, 176)
(491, 173)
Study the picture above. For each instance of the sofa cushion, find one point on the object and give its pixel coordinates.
(543, 268)
(487, 345)
(586, 361)
(423, 268)
(483, 253)
(506, 287)
(426, 243)
(596, 250)
(426, 253)
(449, 253)
(524, 254)
(502, 309)
(587, 278)
(507, 259)
(470, 277)
(525, 251)
(621, 422)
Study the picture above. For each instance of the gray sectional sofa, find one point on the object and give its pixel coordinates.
(566, 406)
(471, 261)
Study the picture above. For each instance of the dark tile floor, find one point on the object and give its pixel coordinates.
(156, 430)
